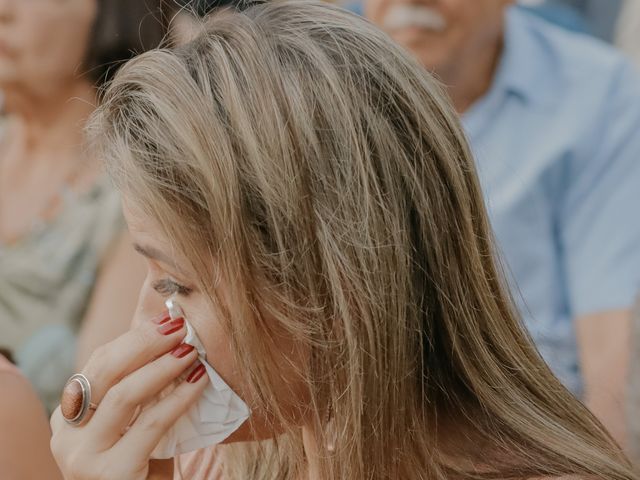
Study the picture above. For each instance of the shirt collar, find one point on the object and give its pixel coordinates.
(526, 68)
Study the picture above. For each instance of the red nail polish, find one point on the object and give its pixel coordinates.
(160, 319)
(182, 350)
(171, 327)
(196, 374)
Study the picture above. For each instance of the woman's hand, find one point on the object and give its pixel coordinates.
(125, 374)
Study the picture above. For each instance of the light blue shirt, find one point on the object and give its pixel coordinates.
(600, 16)
(557, 143)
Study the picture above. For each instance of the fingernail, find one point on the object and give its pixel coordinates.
(171, 327)
(196, 374)
(182, 350)
(160, 319)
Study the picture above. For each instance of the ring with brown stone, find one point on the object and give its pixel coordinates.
(76, 399)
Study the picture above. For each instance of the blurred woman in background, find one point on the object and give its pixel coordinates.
(68, 281)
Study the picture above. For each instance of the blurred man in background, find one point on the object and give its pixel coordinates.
(553, 118)
(600, 16)
(628, 30)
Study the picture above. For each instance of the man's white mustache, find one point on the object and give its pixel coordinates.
(405, 16)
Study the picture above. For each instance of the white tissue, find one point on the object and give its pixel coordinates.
(215, 416)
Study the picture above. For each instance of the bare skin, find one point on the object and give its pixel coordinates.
(24, 454)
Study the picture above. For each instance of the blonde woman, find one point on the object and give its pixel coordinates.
(304, 188)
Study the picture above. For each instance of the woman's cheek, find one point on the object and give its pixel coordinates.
(213, 336)
(150, 304)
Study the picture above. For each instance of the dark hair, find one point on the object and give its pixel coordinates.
(7, 354)
(123, 29)
(203, 7)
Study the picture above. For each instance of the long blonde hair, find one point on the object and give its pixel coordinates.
(324, 174)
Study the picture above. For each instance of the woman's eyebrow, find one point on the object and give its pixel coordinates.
(155, 254)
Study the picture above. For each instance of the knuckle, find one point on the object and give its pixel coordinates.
(118, 398)
(56, 420)
(57, 446)
(73, 459)
(77, 465)
(99, 356)
(72, 465)
(151, 423)
(107, 470)
(98, 366)
(144, 337)
(182, 396)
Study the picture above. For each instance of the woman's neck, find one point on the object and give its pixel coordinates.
(312, 452)
(50, 124)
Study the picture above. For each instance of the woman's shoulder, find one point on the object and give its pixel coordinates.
(19, 400)
(24, 429)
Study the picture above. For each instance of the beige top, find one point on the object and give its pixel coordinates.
(199, 465)
(46, 281)
(633, 404)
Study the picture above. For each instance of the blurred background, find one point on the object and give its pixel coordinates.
(548, 92)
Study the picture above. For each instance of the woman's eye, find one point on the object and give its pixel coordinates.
(168, 287)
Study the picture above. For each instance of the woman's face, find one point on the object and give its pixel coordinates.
(43, 43)
(169, 275)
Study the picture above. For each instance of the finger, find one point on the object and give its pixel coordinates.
(154, 422)
(59, 434)
(120, 402)
(112, 362)
(74, 457)
(56, 421)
